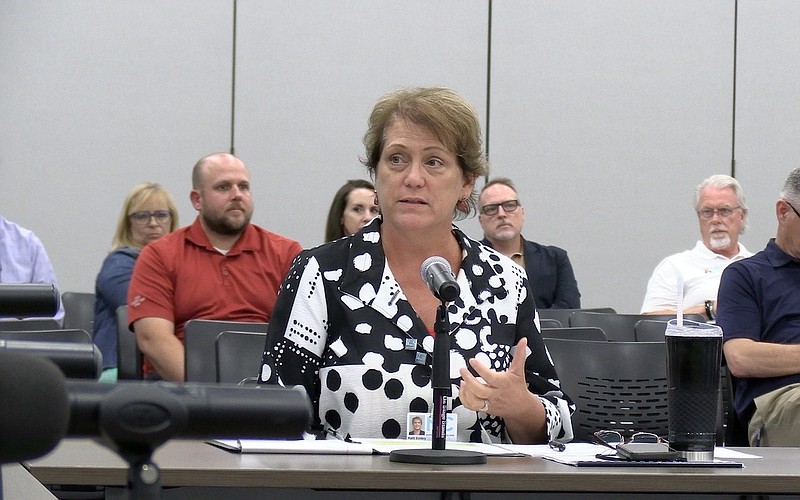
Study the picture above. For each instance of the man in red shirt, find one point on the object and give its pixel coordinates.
(220, 267)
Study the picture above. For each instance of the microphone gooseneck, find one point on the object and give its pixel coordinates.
(438, 275)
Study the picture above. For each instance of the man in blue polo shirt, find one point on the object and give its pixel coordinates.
(759, 312)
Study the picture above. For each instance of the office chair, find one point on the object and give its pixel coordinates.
(75, 335)
(239, 356)
(574, 333)
(549, 323)
(129, 357)
(618, 386)
(200, 340)
(650, 330)
(562, 315)
(735, 430)
(79, 310)
(15, 325)
(74, 359)
(620, 327)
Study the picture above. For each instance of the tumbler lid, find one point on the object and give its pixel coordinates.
(691, 328)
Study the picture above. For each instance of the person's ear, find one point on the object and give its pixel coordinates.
(194, 197)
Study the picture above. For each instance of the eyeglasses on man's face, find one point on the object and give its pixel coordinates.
(508, 206)
(161, 216)
(612, 438)
(724, 212)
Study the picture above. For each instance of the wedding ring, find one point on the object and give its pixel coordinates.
(485, 406)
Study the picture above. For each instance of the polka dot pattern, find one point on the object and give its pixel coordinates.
(340, 327)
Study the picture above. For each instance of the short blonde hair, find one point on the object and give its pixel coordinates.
(137, 197)
(448, 115)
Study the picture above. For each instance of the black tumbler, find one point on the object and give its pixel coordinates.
(694, 354)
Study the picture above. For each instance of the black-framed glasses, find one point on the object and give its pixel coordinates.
(143, 217)
(792, 207)
(724, 212)
(612, 438)
(508, 206)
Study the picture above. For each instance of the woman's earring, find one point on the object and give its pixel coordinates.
(462, 205)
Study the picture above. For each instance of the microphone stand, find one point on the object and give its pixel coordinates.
(135, 442)
(440, 382)
(440, 377)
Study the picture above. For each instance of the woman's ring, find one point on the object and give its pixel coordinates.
(485, 406)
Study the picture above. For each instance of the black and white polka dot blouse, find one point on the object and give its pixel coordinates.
(341, 326)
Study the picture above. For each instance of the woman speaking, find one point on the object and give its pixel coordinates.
(354, 322)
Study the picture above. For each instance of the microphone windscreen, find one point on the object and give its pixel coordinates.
(151, 412)
(427, 267)
(34, 409)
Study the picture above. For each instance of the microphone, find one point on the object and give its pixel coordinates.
(437, 273)
(22, 300)
(34, 406)
(149, 413)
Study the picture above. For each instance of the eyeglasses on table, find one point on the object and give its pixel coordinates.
(611, 438)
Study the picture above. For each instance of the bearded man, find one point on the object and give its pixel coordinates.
(722, 214)
(221, 267)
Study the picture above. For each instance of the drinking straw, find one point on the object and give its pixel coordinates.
(680, 300)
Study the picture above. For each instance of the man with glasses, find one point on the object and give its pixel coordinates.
(721, 212)
(759, 312)
(221, 267)
(549, 270)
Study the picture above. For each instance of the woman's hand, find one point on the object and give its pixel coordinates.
(505, 394)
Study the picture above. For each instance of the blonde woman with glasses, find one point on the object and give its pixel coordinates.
(147, 214)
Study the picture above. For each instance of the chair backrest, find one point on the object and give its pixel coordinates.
(239, 355)
(549, 323)
(79, 310)
(574, 333)
(562, 315)
(200, 345)
(618, 386)
(129, 357)
(59, 335)
(16, 325)
(650, 330)
(620, 327)
(74, 359)
(734, 430)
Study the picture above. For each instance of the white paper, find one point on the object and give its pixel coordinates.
(308, 446)
(356, 447)
(587, 451)
(386, 446)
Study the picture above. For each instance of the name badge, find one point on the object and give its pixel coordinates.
(419, 426)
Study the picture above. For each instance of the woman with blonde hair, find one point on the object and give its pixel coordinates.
(148, 213)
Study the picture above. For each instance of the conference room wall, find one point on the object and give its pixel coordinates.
(606, 114)
(98, 96)
(308, 75)
(767, 109)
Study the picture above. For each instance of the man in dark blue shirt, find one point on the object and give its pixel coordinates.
(759, 312)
